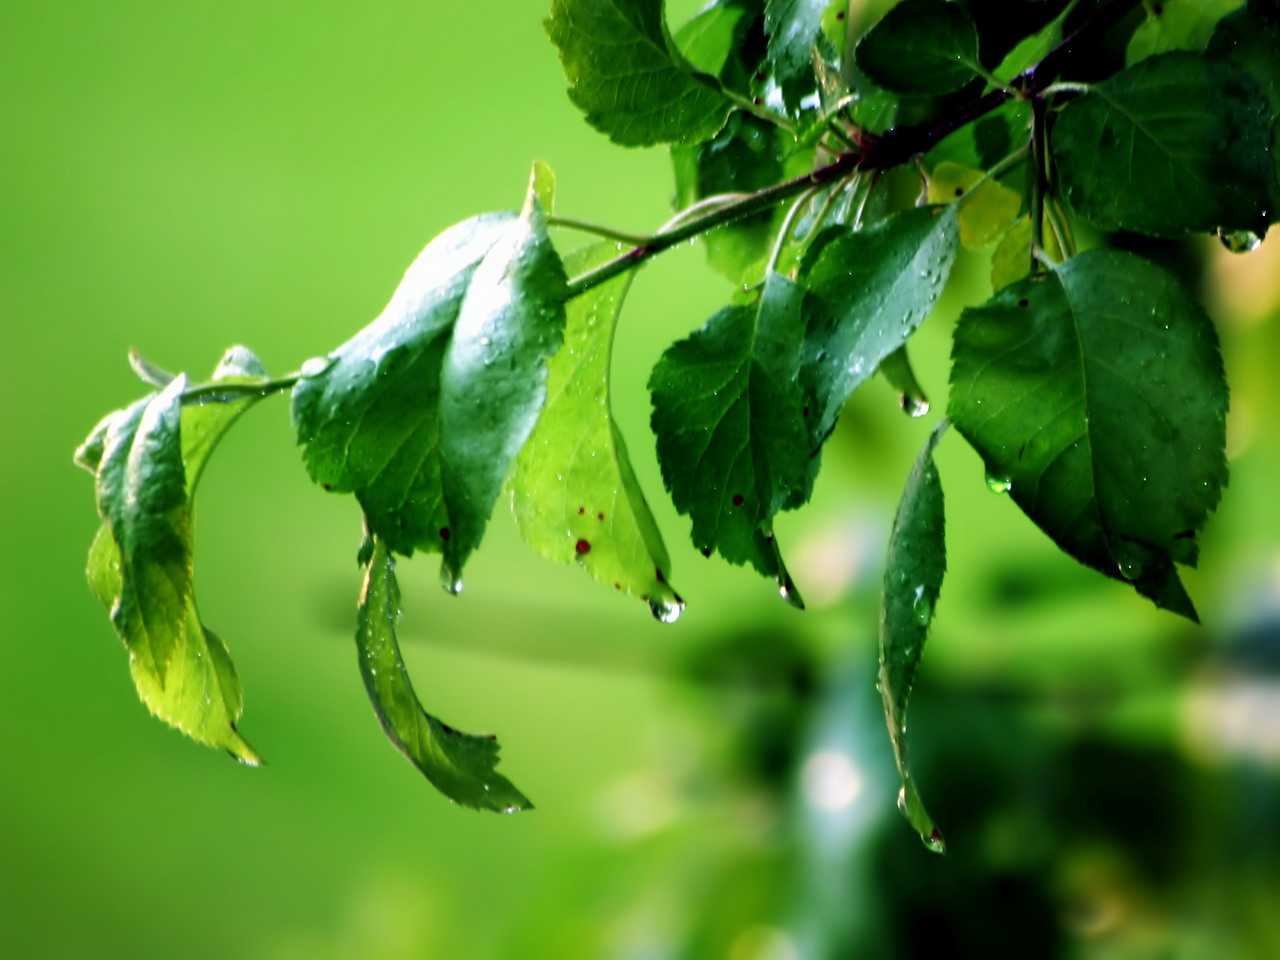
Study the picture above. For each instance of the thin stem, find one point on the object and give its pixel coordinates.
(749, 105)
(828, 202)
(1059, 235)
(216, 392)
(715, 201)
(1065, 86)
(1036, 179)
(1064, 224)
(609, 233)
(784, 230)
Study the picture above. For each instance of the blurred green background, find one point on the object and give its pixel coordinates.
(180, 177)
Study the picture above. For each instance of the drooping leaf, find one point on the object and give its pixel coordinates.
(897, 369)
(574, 493)
(369, 423)
(921, 47)
(149, 461)
(872, 289)
(727, 414)
(745, 155)
(710, 37)
(913, 572)
(421, 413)
(1176, 143)
(985, 207)
(626, 75)
(462, 766)
(493, 381)
(1177, 25)
(1095, 395)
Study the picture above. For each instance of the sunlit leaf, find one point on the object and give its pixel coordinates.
(794, 28)
(913, 572)
(1177, 25)
(628, 78)
(1173, 144)
(985, 207)
(574, 493)
(1095, 395)
(462, 766)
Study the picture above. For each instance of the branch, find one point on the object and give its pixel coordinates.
(895, 147)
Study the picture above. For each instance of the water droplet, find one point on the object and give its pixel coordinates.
(914, 405)
(314, 366)
(922, 607)
(450, 580)
(997, 483)
(666, 609)
(512, 808)
(1239, 241)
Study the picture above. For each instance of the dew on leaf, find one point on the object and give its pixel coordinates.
(922, 607)
(997, 483)
(315, 366)
(914, 405)
(666, 609)
(1239, 241)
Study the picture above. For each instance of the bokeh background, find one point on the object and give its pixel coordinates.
(181, 177)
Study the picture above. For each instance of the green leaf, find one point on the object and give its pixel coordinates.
(1174, 144)
(1033, 48)
(1177, 25)
(1011, 259)
(872, 289)
(625, 73)
(462, 766)
(369, 423)
(422, 412)
(1250, 39)
(985, 207)
(921, 47)
(727, 414)
(745, 155)
(574, 493)
(1095, 395)
(712, 40)
(896, 368)
(494, 378)
(141, 561)
(913, 572)
(794, 28)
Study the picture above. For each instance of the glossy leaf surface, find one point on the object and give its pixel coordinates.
(913, 572)
(921, 47)
(1095, 395)
(462, 766)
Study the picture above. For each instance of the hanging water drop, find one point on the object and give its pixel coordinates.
(1239, 241)
(666, 609)
(997, 483)
(914, 405)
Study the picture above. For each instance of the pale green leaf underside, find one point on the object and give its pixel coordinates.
(1097, 394)
(914, 568)
(461, 766)
(626, 76)
(1174, 144)
(574, 493)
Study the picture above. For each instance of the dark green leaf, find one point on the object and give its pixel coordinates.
(627, 76)
(727, 414)
(921, 47)
(140, 564)
(913, 572)
(574, 493)
(746, 155)
(1095, 395)
(872, 289)
(1251, 40)
(897, 369)
(421, 413)
(710, 38)
(462, 766)
(1176, 143)
(795, 29)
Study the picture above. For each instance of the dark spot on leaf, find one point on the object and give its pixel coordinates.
(581, 511)
(1024, 303)
(582, 546)
(617, 585)
(600, 515)
(839, 14)
(326, 486)
(805, 412)
(959, 191)
(444, 533)
(738, 499)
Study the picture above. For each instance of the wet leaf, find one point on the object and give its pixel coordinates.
(574, 493)
(985, 207)
(1095, 395)
(896, 368)
(462, 766)
(872, 290)
(794, 28)
(729, 421)
(1250, 39)
(421, 413)
(913, 572)
(1176, 143)
(920, 47)
(627, 76)
(149, 461)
